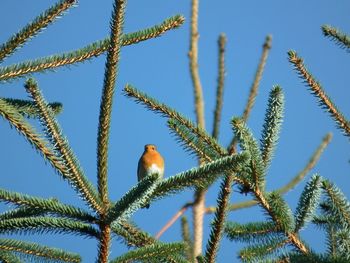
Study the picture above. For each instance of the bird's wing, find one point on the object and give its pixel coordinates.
(140, 170)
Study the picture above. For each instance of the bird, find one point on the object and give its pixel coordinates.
(150, 162)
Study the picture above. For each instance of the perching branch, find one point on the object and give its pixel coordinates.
(316, 89)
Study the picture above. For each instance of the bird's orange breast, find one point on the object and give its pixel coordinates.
(150, 158)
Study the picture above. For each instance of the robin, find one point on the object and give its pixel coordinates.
(151, 162)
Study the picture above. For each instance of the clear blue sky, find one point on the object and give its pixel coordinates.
(160, 68)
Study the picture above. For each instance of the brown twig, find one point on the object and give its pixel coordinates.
(199, 199)
(173, 220)
(220, 87)
(254, 88)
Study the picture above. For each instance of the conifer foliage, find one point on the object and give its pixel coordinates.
(243, 164)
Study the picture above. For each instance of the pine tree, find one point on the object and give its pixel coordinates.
(242, 164)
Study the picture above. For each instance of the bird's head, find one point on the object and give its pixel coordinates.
(150, 148)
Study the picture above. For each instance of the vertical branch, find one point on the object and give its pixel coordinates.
(254, 88)
(111, 68)
(198, 214)
(105, 239)
(186, 236)
(193, 56)
(220, 87)
(219, 219)
(257, 79)
(199, 199)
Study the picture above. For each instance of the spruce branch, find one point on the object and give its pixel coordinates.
(200, 259)
(109, 82)
(342, 238)
(199, 176)
(259, 252)
(251, 232)
(331, 239)
(292, 183)
(7, 257)
(316, 89)
(47, 225)
(136, 198)
(186, 236)
(51, 206)
(168, 112)
(220, 86)
(73, 172)
(272, 124)
(27, 108)
(219, 218)
(254, 88)
(151, 253)
(8, 112)
(29, 250)
(90, 51)
(21, 212)
(191, 142)
(313, 258)
(308, 202)
(34, 27)
(337, 36)
(248, 143)
(280, 213)
(339, 207)
(132, 235)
